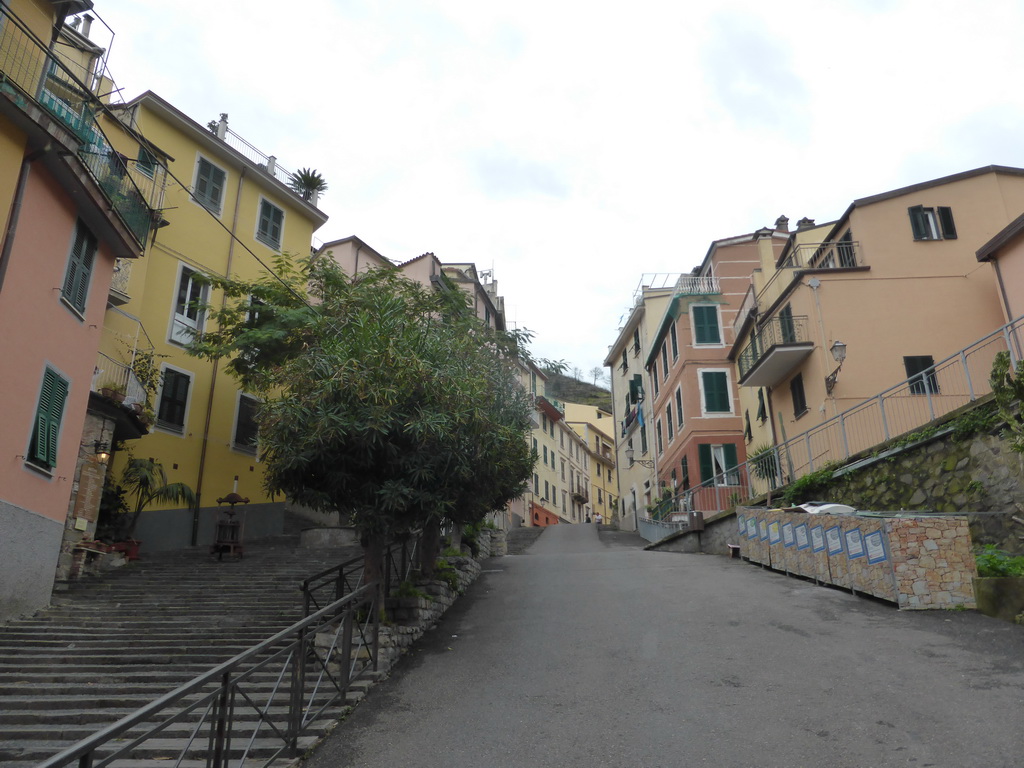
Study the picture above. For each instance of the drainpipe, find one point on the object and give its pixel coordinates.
(216, 367)
(12, 222)
(814, 283)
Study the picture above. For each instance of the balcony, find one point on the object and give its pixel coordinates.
(834, 254)
(30, 74)
(692, 285)
(775, 349)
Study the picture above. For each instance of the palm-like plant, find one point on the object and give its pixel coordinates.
(306, 181)
(146, 481)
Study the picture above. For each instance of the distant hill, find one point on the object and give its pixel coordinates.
(561, 387)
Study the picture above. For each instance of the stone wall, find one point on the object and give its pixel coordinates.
(980, 477)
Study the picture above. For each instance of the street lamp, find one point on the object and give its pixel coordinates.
(642, 462)
(838, 350)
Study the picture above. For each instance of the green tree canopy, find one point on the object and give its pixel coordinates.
(382, 399)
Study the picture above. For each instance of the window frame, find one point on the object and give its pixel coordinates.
(242, 447)
(202, 199)
(796, 384)
(182, 318)
(932, 223)
(81, 264)
(674, 338)
(696, 326)
(165, 425)
(669, 425)
(267, 237)
(705, 411)
(679, 408)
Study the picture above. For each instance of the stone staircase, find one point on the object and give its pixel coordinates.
(106, 647)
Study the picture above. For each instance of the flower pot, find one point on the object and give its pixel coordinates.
(116, 395)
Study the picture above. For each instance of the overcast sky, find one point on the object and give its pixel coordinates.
(573, 147)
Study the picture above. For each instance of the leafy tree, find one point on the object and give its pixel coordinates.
(382, 399)
(1008, 388)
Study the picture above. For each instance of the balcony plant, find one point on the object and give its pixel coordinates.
(306, 182)
(115, 391)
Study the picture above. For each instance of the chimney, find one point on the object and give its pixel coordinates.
(804, 223)
(86, 25)
(782, 224)
(222, 126)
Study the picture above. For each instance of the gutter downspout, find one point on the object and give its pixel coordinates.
(15, 212)
(814, 283)
(214, 371)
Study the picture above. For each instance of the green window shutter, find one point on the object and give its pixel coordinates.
(146, 162)
(271, 224)
(209, 185)
(707, 468)
(52, 398)
(762, 412)
(705, 324)
(716, 392)
(786, 325)
(729, 453)
(675, 341)
(919, 222)
(946, 225)
(80, 266)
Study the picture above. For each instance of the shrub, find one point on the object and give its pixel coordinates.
(996, 562)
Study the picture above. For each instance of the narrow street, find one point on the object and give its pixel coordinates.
(587, 651)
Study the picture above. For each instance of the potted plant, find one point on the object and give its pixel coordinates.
(142, 483)
(115, 391)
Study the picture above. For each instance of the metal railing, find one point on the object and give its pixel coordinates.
(692, 285)
(777, 330)
(29, 70)
(832, 254)
(252, 154)
(253, 708)
(950, 384)
(400, 560)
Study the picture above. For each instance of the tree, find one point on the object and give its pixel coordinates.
(305, 182)
(597, 372)
(144, 482)
(386, 401)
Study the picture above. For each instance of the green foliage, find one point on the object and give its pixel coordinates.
(143, 482)
(451, 552)
(761, 462)
(981, 419)
(1008, 389)
(408, 589)
(810, 486)
(383, 399)
(996, 562)
(306, 181)
(445, 571)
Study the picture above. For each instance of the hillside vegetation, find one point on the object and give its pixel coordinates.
(560, 387)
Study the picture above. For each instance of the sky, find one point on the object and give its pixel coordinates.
(574, 148)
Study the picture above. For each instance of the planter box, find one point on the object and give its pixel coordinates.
(1001, 597)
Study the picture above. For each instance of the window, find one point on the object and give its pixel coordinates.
(565, 500)
(625, 361)
(146, 162)
(188, 313)
(664, 360)
(643, 438)
(42, 450)
(718, 462)
(715, 392)
(563, 470)
(705, 325)
(270, 225)
(543, 423)
(600, 497)
(657, 431)
(245, 424)
(561, 439)
(748, 433)
(172, 405)
(796, 391)
(208, 188)
(536, 484)
(668, 422)
(684, 469)
(547, 490)
(921, 372)
(846, 251)
(675, 341)
(762, 411)
(554, 496)
(932, 223)
(654, 376)
(679, 405)
(545, 455)
(76, 279)
(636, 342)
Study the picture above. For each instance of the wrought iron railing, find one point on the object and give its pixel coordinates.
(28, 70)
(950, 384)
(777, 330)
(832, 254)
(254, 708)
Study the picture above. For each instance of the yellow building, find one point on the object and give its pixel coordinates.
(596, 428)
(226, 211)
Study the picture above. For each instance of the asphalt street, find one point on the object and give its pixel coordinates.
(587, 651)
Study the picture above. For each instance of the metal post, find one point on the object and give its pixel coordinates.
(810, 457)
(842, 431)
(375, 605)
(1009, 346)
(298, 690)
(928, 393)
(885, 424)
(967, 374)
(220, 729)
(346, 650)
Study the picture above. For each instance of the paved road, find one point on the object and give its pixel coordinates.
(588, 651)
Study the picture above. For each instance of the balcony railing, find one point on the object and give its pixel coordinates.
(777, 346)
(833, 254)
(30, 72)
(693, 285)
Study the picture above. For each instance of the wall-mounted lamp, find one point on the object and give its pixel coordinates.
(838, 350)
(102, 451)
(642, 462)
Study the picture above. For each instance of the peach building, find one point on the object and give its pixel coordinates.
(879, 296)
